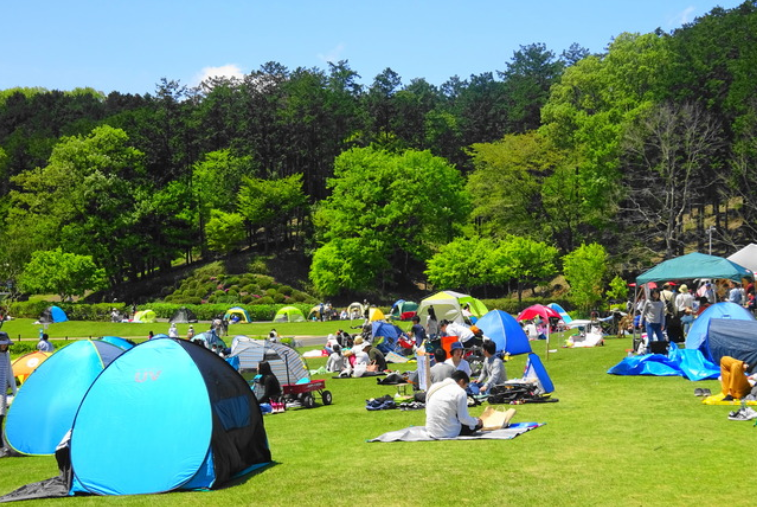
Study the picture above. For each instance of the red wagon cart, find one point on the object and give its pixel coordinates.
(304, 392)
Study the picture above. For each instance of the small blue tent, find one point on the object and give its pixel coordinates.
(536, 372)
(505, 331)
(390, 334)
(53, 315)
(182, 417)
(735, 338)
(725, 310)
(563, 314)
(44, 409)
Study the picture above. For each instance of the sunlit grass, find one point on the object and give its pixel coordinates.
(609, 441)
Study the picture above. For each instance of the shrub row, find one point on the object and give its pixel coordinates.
(101, 312)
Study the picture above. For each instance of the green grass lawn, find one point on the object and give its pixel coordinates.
(609, 441)
(25, 329)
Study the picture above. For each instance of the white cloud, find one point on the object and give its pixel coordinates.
(228, 71)
(333, 55)
(685, 16)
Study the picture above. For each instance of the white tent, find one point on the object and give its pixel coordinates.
(746, 257)
(286, 363)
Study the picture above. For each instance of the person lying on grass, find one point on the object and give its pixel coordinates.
(447, 408)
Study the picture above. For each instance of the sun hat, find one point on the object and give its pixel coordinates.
(683, 288)
(5, 339)
(359, 340)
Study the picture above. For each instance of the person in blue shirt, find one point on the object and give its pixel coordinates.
(418, 331)
(44, 345)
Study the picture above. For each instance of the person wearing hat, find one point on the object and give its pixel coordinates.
(358, 348)
(6, 380)
(456, 358)
(375, 356)
(684, 301)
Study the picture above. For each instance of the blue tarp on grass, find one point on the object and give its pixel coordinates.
(690, 364)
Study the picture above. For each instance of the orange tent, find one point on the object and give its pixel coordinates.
(26, 364)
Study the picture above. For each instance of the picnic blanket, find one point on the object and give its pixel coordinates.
(717, 399)
(687, 363)
(366, 374)
(419, 434)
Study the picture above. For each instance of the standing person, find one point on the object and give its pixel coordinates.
(6, 381)
(320, 312)
(172, 331)
(191, 333)
(493, 373)
(417, 331)
(684, 300)
(734, 295)
(44, 345)
(456, 359)
(447, 408)
(432, 325)
(667, 297)
(709, 293)
(653, 316)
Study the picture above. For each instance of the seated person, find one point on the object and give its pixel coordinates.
(358, 349)
(735, 384)
(375, 356)
(273, 336)
(336, 361)
(493, 373)
(447, 408)
(456, 360)
(269, 387)
(441, 370)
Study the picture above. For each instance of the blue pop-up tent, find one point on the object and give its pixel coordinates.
(505, 331)
(44, 409)
(168, 400)
(700, 327)
(53, 315)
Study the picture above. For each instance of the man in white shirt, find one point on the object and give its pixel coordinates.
(447, 408)
(448, 328)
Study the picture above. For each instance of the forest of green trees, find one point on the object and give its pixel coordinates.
(641, 149)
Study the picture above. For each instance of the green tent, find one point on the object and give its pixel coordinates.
(289, 314)
(449, 305)
(694, 265)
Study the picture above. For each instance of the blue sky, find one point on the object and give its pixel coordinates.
(128, 46)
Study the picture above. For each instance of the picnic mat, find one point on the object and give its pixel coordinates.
(717, 399)
(419, 434)
(366, 374)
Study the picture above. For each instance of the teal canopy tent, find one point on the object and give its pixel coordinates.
(694, 265)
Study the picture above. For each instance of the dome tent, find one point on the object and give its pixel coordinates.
(289, 314)
(449, 305)
(239, 312)
(52, 315)
(183, 316)
(144, 317)
(147, 393)
(287, 365)
(43, 411)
